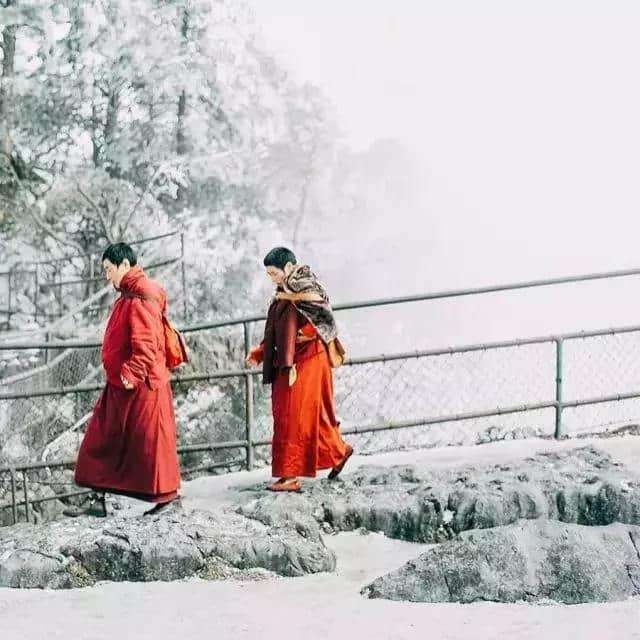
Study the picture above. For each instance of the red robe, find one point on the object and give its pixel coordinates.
(306, 433)
(130, 446)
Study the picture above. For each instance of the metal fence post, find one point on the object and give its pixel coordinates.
(35, 295)
(559, 371)
(9, 296)
(248, 386)
(92, 274)
(14, 505)
(184, 278)
(46, 351)
(26, 495)
(57, 279)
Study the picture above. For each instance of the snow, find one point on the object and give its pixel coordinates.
(321, 606)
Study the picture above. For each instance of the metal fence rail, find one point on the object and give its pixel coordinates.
(248, 321)
(550, 385)
(533, 384)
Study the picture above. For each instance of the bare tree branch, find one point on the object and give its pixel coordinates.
(59, 141)
(140, 199)
(40, 222)
(94, 206)
(49, 230)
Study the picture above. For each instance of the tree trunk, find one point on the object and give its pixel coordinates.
(108, 131)
(181, 140)
(111, 123)
(95, 145)
(8, 59)
(8, 184)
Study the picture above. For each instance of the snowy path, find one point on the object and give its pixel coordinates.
(324, 606)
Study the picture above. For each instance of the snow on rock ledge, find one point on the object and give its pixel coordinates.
(531, 560)
(172, 545)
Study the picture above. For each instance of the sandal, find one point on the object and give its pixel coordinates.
(335, 472)
(287, 485)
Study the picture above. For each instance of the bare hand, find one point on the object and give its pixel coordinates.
(127, 385)
(293, 375)
(251, 360)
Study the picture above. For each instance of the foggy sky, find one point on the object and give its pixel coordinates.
(523, 118)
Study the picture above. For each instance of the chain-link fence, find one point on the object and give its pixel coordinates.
(32, 423)
(556, 385)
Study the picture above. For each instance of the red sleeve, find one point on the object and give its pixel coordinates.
(142, 336)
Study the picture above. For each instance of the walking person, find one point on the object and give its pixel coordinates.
(295, 357)
(130, 444)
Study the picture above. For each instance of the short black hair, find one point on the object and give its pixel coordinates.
(116, 253)
(278, 257)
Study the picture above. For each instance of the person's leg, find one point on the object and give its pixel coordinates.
(333, 451)
(288, 444)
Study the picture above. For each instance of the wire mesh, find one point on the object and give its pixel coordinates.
(375, 392)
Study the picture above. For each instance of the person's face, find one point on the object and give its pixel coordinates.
(113, 273)
(275, 275)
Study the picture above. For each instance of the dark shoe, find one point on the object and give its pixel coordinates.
(97, 507)
(162, 505)
(335, 472)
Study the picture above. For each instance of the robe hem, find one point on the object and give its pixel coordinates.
(147, 497)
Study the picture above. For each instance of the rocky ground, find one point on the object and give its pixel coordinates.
(176, 544)
(530, 561)
(532, 521)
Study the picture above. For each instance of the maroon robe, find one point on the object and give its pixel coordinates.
(130, 443)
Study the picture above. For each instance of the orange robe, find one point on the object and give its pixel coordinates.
(306, 433)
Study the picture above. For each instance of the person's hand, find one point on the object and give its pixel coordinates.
(127, 385)
(251, 360)
(293, 375)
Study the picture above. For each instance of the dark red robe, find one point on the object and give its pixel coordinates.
(130, 443)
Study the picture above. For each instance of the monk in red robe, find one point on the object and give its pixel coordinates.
(306, 434)
(130, 444)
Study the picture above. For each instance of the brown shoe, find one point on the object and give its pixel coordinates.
(335, 472)
(288, 485)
